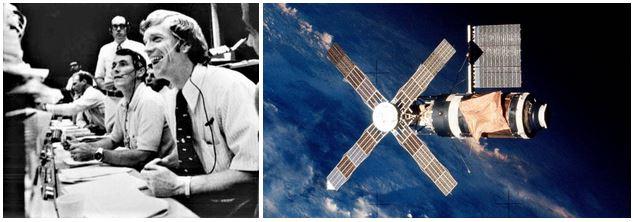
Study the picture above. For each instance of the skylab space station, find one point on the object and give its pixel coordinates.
(494, 57)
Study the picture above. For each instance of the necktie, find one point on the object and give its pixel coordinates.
(118, 47)
(189, 163)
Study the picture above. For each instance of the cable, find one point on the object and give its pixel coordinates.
(208, 123)
(460, 69)
(127, 109)
(461, 156)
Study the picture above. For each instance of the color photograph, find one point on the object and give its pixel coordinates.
(446, 110)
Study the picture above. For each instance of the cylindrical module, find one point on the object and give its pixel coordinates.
(493, 115)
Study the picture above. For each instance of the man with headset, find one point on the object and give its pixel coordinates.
(212, 117)
(140, 123)
(119, 27)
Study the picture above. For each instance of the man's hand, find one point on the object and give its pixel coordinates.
(82, 152)
(108, 85)
(161, 181)
(41, 106)
(103, 85)
(99, 82)
(219, 50)
(96, 129)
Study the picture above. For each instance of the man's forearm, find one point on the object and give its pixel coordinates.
(105, 143)
(220, 181)
(129, 158)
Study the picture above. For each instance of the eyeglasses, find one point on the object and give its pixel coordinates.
(117, 26)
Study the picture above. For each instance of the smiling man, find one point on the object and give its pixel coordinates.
(212, 117)
(119, 28)
(140, 123)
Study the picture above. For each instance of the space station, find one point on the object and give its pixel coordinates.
(494, 57)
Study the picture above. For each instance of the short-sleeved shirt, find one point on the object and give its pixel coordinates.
(147, 127)
(90, 104)
(69, 83)
(228, 99)
(107, 53)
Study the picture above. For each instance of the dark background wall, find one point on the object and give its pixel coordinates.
(59, 33)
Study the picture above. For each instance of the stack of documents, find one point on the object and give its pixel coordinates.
(112, 192)
(74, 175)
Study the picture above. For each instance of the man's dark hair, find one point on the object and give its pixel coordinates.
(137, 60)
(85, 76)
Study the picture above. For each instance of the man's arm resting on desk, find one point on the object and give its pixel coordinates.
(220, 181)
(85, 151)
(163, 183)
(129, 158)
(105, 143)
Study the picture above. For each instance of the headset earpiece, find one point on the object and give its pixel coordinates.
(184, 45)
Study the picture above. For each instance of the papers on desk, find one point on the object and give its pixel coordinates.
(63, 123)
(74, 175)
(80, 132)
(72, 130)
(109, 182)
(117, 196)
(73, 163)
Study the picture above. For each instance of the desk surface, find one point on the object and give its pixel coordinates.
(46, 208)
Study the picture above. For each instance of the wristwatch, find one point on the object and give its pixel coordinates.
(99, 154)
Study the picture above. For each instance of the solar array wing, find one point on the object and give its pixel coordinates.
(405, 135)
(427, 162)
(499, 65)
(410, 91)
(355, 77)
(354, 157)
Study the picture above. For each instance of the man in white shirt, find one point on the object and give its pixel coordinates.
(212, 117)
(140, 123)
(118, 28)
(75, 68)
(89, 105)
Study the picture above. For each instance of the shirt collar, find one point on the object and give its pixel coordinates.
(189, 91)
(136, 96)
(123, 42)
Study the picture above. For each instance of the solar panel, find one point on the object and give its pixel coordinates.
(405, 135)
(354, 157)
(420, 80)
(499, 65)
(355, 77)
(425, 159)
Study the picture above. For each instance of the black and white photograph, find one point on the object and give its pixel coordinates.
(131, 110)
